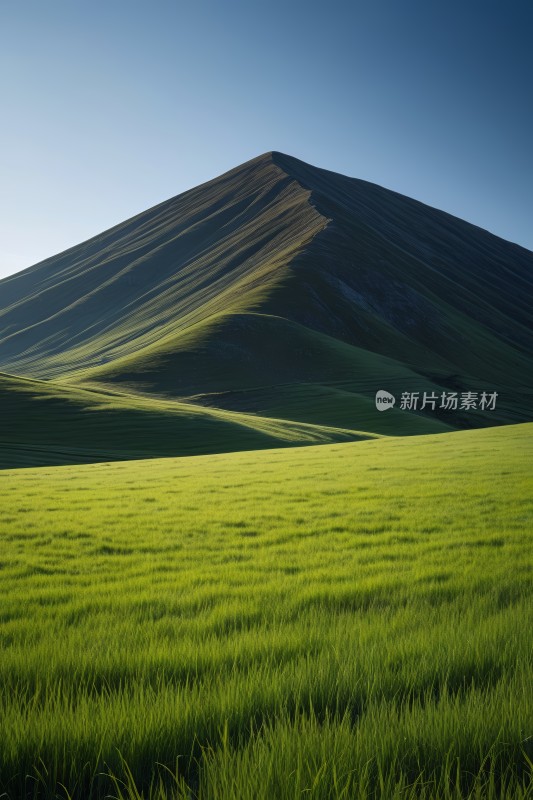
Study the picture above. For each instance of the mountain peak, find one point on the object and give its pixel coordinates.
(285, 161)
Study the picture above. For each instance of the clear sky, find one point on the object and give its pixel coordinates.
(110, 106)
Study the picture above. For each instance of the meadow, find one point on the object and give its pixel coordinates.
(340, 621)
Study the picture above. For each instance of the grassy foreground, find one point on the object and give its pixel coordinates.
(350, 620)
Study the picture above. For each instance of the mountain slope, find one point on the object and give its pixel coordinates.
(283, 290)
(214, 249)
(53, 424)
(385, 274)
(440, 283)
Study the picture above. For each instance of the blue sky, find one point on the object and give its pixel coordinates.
(110, 107)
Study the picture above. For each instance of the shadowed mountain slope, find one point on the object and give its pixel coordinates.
(283, 290)
(49, 423)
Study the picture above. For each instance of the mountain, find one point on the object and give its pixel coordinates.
(278, 290)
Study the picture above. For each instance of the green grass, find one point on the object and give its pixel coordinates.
(345, 621)
(50, 423)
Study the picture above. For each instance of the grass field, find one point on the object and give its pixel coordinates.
(344, 621)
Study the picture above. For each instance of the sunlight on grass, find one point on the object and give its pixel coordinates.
(350, 620)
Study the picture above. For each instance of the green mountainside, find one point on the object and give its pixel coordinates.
(264, 307)
(54, 424)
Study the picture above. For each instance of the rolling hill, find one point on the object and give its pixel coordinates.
(54, 424)
(271, 301)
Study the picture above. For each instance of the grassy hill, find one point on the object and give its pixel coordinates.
(48, 424)
(283, 290)
(350, 620)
